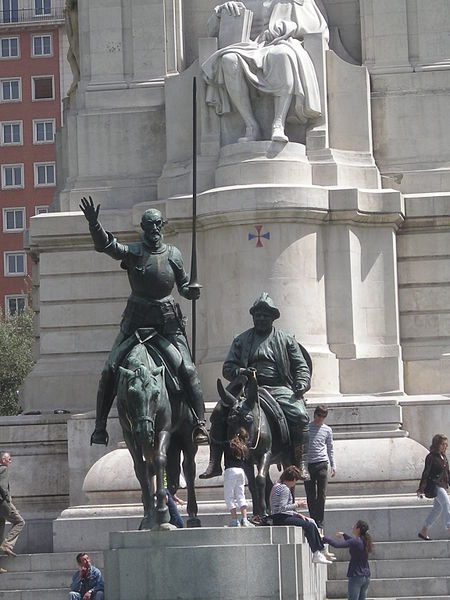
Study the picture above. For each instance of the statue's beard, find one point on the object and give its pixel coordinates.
(154, 240)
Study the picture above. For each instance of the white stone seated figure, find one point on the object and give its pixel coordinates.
(273, 61)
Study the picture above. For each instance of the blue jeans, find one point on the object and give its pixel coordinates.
(357, 588)
(441, 504)
(309, 527)
(77, 596)
(175, 517)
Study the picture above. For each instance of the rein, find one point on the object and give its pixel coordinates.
(258, 435)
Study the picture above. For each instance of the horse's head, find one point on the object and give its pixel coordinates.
(141, 387)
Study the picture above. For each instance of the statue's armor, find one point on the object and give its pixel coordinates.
(152, 275)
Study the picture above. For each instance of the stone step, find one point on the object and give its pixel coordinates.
(400, 568)
(56, 578)
(412, 549)
(47, 594)
(399, 587)
(403, 550)
(407, 598)
(46, 562)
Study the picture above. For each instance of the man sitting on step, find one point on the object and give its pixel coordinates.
(87, 582)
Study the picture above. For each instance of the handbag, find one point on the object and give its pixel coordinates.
(430, 490)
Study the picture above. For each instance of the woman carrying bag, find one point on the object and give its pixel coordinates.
(434, 484)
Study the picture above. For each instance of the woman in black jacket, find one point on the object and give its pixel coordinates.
(434, 483)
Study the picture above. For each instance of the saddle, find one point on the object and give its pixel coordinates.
(163, 352)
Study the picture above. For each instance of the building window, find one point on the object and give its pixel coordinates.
(9, 47)
(15, 263)
(14, 305)
(44, 174)
(42, 7)
(40, 210)
(11, 133)
(12, 176)
(43, 88)
(10, 90)
(42, 45)
(10, 11)
(43, 131)
(13, 219)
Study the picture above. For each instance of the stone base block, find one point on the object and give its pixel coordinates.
(209, 563)
(264, 162)
(380, 375)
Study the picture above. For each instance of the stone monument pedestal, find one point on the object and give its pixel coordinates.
(209, 563)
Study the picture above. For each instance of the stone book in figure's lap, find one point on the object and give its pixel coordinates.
(234, 30)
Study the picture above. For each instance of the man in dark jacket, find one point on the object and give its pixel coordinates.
(87, 582)
(281, 369)
(8, 511)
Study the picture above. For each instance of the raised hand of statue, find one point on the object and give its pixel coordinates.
(89, 210)
(232, 8)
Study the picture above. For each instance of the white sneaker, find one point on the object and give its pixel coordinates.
(246, 523)
(318, 557)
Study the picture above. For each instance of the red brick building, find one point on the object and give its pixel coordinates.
(32, 66)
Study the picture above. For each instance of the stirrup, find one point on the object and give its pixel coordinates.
(200, 436)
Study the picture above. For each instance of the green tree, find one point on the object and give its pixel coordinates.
(16, 358)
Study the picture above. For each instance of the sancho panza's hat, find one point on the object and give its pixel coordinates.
(266, 303)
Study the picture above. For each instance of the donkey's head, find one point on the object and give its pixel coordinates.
(243, 410)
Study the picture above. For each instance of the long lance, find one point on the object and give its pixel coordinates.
(193, 283)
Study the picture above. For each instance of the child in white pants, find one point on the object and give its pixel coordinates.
(235, 453)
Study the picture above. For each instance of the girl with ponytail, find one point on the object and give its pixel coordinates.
(360, 546)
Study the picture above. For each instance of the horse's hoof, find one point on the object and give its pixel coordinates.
(145, 525)
(193, 522)
(163, 527)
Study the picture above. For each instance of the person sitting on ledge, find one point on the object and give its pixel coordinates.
(283, 508)
(87, 581)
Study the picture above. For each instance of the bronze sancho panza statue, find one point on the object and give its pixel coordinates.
(281, 367)
(153, 268)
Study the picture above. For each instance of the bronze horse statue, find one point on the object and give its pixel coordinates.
(157, 426)
(269, 443)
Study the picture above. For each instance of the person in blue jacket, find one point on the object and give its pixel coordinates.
(87, 581)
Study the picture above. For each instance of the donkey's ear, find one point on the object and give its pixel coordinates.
(124, 372)
(227, 398)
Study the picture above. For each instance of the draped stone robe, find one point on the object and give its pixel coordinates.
(278, 28)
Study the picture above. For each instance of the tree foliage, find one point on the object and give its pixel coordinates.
(16, 358)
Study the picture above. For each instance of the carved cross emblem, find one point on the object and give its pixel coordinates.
(258, 236)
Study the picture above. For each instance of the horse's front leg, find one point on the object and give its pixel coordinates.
(263, 469)
(189, 451)
(160, 461)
